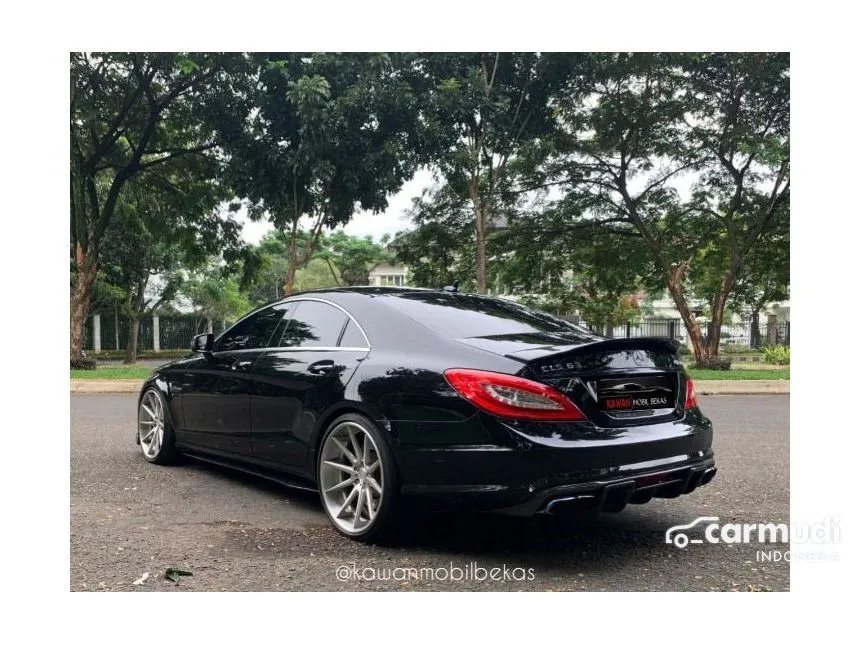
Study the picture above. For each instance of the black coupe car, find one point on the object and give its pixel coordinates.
(388, 398)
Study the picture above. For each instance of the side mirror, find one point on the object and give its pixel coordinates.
(203, 342)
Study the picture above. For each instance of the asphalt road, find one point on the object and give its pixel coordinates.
(235, 532)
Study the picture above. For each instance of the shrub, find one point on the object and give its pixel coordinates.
(82, 363)
(718, 363)
(148, 354)
(683, 350)
(729, 348)
(777, 354)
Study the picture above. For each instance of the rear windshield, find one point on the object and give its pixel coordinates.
(458, 315)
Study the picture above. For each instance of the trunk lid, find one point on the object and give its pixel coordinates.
(615, 381)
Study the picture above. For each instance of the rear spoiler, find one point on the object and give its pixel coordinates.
(654, 343)
(644, 342)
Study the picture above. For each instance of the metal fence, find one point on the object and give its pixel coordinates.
(174, 332)
(743, 334)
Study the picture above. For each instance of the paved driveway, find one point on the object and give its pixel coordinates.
(236, 532)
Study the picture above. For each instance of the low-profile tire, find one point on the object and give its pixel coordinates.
(357, 479)
(154, 429)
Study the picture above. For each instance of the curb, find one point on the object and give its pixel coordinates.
(743, 387)
(132, 386)
(105, 386)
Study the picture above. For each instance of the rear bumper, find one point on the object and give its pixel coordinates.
(608, 493)
(554, 474)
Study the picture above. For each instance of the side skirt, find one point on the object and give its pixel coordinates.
(279, 478)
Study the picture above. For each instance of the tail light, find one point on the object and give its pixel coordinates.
(512, 397)
(692, 400)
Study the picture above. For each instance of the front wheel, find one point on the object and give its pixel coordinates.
(357, 478)
(154, 430)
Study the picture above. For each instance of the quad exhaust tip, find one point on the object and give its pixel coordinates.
(615, 497)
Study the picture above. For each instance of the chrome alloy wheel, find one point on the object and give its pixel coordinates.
(150, 424)
(351, 477)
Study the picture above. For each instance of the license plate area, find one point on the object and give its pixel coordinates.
(637, 393)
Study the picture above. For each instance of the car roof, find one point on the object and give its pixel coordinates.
(361, 290)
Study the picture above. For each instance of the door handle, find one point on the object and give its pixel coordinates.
(241, 366)
(321, 367)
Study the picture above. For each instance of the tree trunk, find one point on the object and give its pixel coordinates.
(116, 325)
(334, 275)
(715, 327)
(480, 250)
(87, 265)
(135, 304)
(131, 346)
(291, 279)
(292, 256)
(755, 340)
(296, 260)
(693, 329)
(608, 329)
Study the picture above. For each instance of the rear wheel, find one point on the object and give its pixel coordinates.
(357, 479)
(154, 430)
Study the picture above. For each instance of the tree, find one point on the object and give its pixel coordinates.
(313, 135)
(765, 275)
(316, 275)
(129, 114)
(440, 250)
(352, 258)
(262, 280)
(482, 110)
(263, 273)
(166, 224)
(215, 295)
(649, 119)
(580, 266)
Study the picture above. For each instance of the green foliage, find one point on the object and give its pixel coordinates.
(340, 259)
(441, 249)
(130, 114)
(544, 252)
(164, 224)
(715, 363)
(729, 348)
(215, 296)
(575, 182)
(352, 257)
(777, 354)
(82, 364)
(264, 269)
(480, 111)
(310, 136)
(649, 119)
(316, 275)
(164, 354)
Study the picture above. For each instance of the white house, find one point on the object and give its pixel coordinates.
(665, 308)
(389, 275)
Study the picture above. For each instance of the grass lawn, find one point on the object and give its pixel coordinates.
(114, 372)
(781, 374)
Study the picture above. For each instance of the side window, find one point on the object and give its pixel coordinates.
(253, 332)
(313, 324)
(352, 336)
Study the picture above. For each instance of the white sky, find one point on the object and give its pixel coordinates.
(363, 223)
